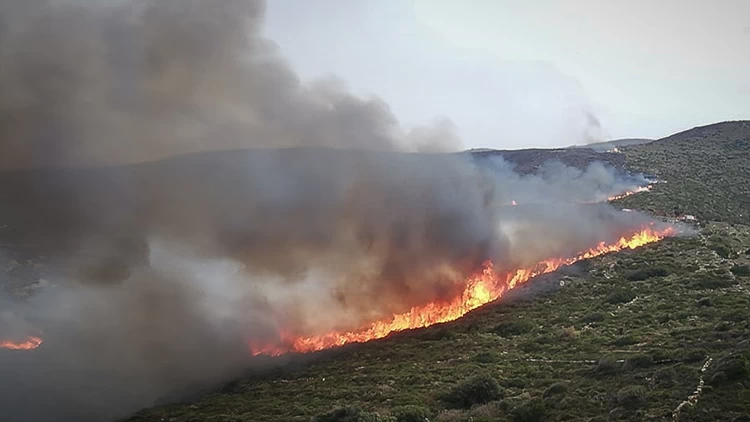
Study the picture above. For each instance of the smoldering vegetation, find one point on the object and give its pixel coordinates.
(284, 205)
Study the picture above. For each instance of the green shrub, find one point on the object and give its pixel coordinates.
(513, 328)
(705, 302)
(639, 361)
(632, 396)
(646, 273)
(625, 341)
(517, 382)
(594, 317)
(620, 296)
(411, 414)
(665, 377)
(530, 411)
(741, 270)
(722, 250)
(342, 414)
(714, 279)
(555, 389)
(735, 368)
(607, 364)
(691, 356)
(485, 357)
(476, 390)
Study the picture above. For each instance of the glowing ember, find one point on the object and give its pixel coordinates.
(28, 344)
(630, 192)
(481, 289)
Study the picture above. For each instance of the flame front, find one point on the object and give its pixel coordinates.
(630, 192)
(28, 344)
(482, 288)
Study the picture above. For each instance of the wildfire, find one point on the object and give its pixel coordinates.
(630, 192)
(482, 288)
(28, 344)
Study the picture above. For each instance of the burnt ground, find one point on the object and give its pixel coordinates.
(627, 336)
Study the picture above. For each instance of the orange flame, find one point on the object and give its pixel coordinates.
(29, 344)
(630, 192)
(481, 289)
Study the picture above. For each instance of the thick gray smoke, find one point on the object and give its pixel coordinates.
(306, 208)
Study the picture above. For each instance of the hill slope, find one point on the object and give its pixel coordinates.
(620, 337)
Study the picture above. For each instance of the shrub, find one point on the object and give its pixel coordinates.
(691, 356)
(529, 411)
(714, 279)
(632, 396)
(411, 414)
(625, 341)
(639, 361)
(594, 317)
(569, 332)
(735, 367)
(485, 357)
(722, 250)
(646, 273)
(476, 390)
(555, 389)
(665, 377)
(705, 302)
(452, 415)
(517, 382)
(741, 270)
(620, 296)
(490, 411)
(718, 378)
(607, 364)
(513, 328)
(342, 414)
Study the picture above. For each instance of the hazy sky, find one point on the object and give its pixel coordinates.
(513, 74)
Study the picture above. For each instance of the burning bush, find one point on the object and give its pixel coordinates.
(476, 390)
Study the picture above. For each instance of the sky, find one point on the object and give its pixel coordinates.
(542, 73)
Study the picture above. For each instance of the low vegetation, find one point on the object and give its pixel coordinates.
(625, 339)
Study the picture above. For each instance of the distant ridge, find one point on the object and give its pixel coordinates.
(733, 129)
(615, 143)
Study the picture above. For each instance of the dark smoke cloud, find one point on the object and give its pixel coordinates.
(101, 82)
(148, 278)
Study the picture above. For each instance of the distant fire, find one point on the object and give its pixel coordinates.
(482, 288)
(630, 192)
(27, 344)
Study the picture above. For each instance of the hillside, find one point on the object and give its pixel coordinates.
(616, 143)
(627, 336)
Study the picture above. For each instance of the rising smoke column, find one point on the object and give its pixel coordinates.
(157, 270)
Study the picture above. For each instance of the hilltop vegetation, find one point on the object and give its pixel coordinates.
(628, 336)
(707, 170)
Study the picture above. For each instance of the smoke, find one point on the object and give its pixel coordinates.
(307, 208)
